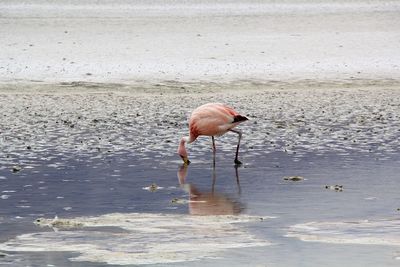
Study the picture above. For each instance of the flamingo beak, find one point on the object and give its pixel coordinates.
(185, 160)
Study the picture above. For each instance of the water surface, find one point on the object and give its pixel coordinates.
(95, 176)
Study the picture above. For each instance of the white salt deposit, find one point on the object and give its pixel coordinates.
(141, 238)
(129, 41)
(368, 232)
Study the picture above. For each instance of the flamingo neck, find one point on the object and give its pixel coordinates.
(182, 148)
(188, 139)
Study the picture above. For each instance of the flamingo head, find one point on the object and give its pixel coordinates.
(182, 151)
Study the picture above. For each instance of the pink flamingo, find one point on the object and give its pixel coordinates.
(212, 119)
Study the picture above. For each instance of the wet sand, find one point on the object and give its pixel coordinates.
(86, 152)
(294, 118)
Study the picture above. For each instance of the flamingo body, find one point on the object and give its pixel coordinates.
(212, 119)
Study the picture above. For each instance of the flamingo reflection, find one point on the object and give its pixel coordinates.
(209, 203)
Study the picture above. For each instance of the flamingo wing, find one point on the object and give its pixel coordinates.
(212, 119)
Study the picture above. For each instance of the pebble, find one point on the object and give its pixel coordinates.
(178, 201)
(337, 188)
(16, 168)
(153, 187)
(293, 178)
(58, 223)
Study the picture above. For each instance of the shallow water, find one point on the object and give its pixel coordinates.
(102, 192)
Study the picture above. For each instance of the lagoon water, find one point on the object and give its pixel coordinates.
(78, 189)
(92, 169)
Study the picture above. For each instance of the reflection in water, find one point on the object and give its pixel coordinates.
(209, 203)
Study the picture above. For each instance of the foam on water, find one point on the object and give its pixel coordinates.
(368, 232)
(141, 239)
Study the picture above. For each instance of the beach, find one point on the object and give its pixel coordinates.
(95, 96)
(142, 41)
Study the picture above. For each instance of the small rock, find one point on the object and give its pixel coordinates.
(16, 168)
(337, 188)
(153, 187)
(178, 201)
(58, 223)
(293, 178)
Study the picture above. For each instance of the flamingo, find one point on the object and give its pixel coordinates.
(212, 119)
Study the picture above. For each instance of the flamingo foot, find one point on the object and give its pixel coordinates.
(238, 163)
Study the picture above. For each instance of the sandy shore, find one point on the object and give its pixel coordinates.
(136, 41)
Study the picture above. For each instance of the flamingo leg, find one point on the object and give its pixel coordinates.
(237, 179)
(213, 144)
(237, 161)
(214, 176)
(214, 149)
